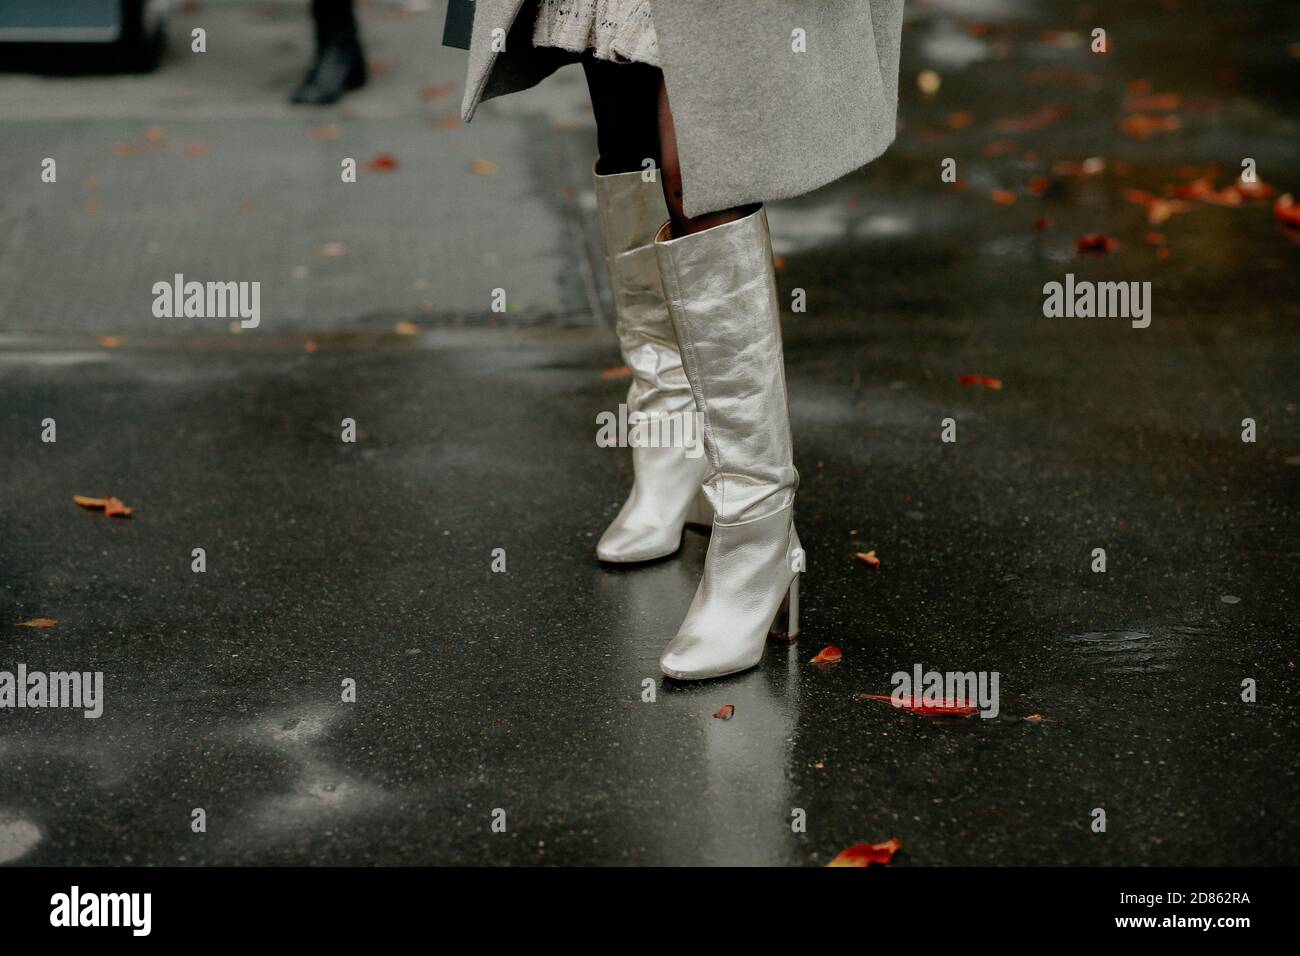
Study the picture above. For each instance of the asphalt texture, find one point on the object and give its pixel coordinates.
(532, 694)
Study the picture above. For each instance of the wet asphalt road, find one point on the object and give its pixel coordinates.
(523, 691)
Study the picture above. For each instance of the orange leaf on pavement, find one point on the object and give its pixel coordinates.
(110, 506)
(725, 712)
(917, 705)
(984, 381)
(43, 623)
(868, 557)
(1032, 121)
(1255, 190)
(1096, 242)
(828, 655)
(1286, 211)
(865, 854)
(382, 163)
(1143, 125)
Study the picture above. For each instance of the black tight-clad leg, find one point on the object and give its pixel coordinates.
(625, 100)
(684, 225)
(633, 124)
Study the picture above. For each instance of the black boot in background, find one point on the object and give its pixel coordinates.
(340, 65)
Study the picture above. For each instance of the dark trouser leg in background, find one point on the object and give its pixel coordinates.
(340, 64)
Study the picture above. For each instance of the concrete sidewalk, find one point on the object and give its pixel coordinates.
(206, 170)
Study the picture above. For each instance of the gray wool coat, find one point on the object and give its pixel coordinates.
(755, 120)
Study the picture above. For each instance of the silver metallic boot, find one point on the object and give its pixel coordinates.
(666, 494)
(721, 290)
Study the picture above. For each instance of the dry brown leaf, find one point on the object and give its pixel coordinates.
(381, 163)
(1145, 125)
(113, 507)
(865, 854)
(984, 381)
(1095, 242)
(42, 623)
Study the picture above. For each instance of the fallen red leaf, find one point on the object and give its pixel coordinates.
(1092, 166)
(999, 147)
(868, 557)
(616, 374)
(865, 854)
(436, 91)
(1143, 125)
(917, 705)
(1028, 122)
(1286, 211)
(725, 712)
(828, 655)
(1202, 190)
(1156, 103)
(43, 623)
(110, 506)
(984, 381)
(1158, 209)
(1035, 718)
(1256, 190)
(382, 163)
(1004, 197)
(1038, 185)
(960, 120)
(1096, 242)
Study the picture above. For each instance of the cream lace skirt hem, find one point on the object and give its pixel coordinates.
(618, 30)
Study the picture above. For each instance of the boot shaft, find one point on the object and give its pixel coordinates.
(720, 285)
